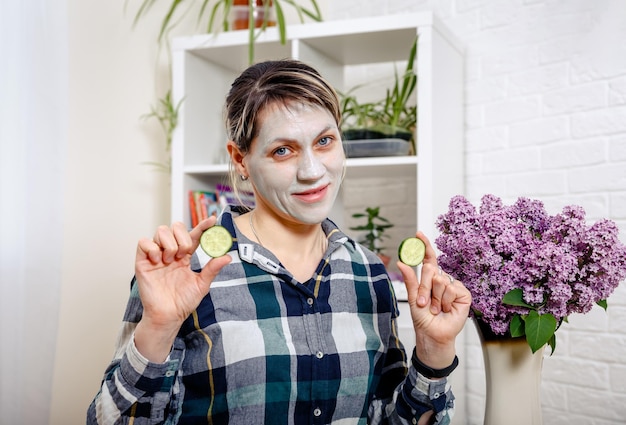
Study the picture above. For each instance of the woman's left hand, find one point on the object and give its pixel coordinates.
(439, 307)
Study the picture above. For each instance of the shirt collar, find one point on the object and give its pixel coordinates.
(247, 248)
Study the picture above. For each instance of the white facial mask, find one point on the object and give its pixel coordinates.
(296, 162)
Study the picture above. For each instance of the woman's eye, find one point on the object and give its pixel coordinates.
(282, 151)
(324, 141)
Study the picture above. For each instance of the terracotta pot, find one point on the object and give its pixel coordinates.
(240, 14)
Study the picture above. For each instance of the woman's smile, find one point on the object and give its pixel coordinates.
(312, 195)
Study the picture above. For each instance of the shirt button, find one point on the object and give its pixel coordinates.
(319, 354)
(436, 396)
(317, 412)
(414, 421)
(169, 373)
(309, 301)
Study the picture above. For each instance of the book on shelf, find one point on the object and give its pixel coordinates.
(203, 203)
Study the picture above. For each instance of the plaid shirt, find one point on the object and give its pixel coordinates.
(263, 348)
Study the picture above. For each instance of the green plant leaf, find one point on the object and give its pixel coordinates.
(515, 297)
(167, 114)
(390, 114)
(168, 17)
(280, 20)
(540, 328)
(316, 15)
(374, 227)
(516, 327)
(205, 3)
(169, 20)
(143, 9)
(603, 303)
(213, 15)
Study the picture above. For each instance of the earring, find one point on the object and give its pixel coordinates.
(243, 178)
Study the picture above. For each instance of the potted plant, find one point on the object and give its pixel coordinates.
(388, 118)
(359, 118)
(223, 8)
(374, 228)
(397, 118)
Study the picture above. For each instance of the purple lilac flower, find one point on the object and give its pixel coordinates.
(562, 265)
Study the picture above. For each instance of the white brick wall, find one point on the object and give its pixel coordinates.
(545, 118)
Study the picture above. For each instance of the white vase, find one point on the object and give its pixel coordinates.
(513, 381)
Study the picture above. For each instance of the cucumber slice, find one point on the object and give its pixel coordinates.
(411, 251)
(216, 241)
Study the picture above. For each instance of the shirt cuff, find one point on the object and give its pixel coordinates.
(146, 376)
(436, 393)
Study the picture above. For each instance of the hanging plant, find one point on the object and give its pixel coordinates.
(223, 8)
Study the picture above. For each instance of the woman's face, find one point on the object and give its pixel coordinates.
(296, 162)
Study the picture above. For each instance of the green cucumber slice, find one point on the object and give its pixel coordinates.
(411, 251)
(216, 241)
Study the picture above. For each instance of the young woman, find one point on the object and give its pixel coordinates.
(297, 323)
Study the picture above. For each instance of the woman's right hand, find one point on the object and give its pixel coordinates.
(169, 290)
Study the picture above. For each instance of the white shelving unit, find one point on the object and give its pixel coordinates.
(204, 66)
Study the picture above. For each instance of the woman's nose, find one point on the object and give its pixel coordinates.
(310, 167)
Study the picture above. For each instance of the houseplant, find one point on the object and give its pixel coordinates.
(166, 113)
(374, 228)
(218, 15)
(527, 272)
(392, 117)
(397, 118)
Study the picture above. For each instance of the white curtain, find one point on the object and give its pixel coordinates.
(33, 121)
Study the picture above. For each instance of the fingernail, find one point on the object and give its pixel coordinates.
(434, 310)
(422, 300)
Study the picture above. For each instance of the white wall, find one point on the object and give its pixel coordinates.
(545, 117)
(111, 198)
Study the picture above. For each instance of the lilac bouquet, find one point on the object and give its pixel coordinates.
(528, 271)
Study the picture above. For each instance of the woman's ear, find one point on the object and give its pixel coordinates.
(237, 156)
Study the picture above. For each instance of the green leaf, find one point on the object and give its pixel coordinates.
(168, 17)
(205, 3)
(145, 6)
(517, 327)
(213, 15)
(315, 14)
(540, 328)
(282, 26)
(251, 37)
(603, 304)
(515, 297)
